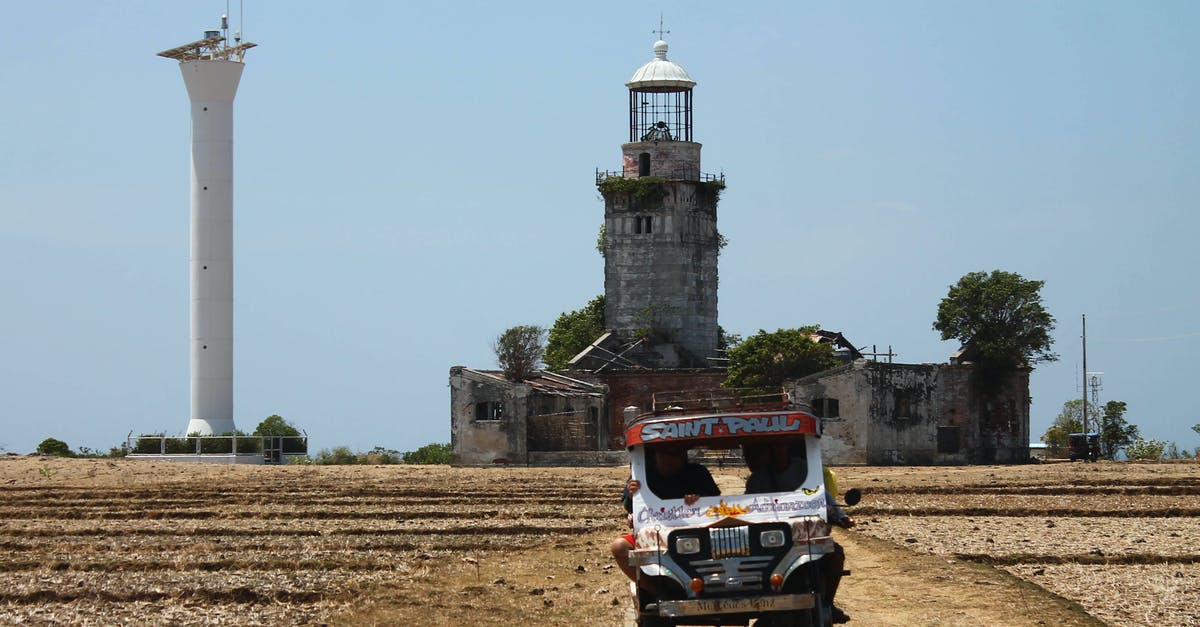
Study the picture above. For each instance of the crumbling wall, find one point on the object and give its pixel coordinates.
(843, 439)
(566, 424)
(482, 437)
(917, 414)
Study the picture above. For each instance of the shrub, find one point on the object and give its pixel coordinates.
(338, 456)
(429, 454)
(177, 446)
(147, 443)
(380, 455)
(51, 446)
(218, 446)
(1145, 450)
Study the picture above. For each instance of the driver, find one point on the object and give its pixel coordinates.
(671, 476)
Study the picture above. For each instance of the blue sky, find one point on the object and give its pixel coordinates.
(412, 180)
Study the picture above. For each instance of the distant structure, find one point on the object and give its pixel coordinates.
(660, 244)
(883, 413)
(660, 232)
(211, 71)
(660, 283)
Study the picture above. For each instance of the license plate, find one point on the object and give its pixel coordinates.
(735, 605)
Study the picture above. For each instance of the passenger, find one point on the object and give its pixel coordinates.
(833, 564)
(774, 469)
(670, 476)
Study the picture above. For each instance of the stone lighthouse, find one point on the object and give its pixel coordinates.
(660, 240)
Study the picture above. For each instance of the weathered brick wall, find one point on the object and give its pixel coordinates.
(670, 160)
(637, 388)
(558, 433)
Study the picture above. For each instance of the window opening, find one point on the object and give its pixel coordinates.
(825, 407)
(948, 439)
(489, 411)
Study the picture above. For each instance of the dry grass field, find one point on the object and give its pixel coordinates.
(1121, 539)
(112, 542)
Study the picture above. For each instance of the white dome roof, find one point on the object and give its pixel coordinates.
(660, 73)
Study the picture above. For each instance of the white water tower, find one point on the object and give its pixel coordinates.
(211, 71)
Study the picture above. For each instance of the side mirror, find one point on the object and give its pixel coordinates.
(853, 496)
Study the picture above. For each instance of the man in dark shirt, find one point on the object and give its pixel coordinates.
(671, 476)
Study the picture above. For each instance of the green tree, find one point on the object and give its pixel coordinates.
(1115, 432)
(519, 351)
(51, 446)
(1068, 421)
(765, 360)
(726, 341)
(429, 454)
(276, 425)
(573, 332)
(1000, 317)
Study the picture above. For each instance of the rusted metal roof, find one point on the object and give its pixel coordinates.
(838, 340)
(545, 382)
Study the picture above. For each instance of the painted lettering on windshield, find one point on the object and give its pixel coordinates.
(720, 426)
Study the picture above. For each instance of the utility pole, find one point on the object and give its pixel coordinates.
(1087, 444)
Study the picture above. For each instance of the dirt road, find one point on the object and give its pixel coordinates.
(890, 585)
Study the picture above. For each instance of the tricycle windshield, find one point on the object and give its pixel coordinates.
(751, 466)
(673, 470)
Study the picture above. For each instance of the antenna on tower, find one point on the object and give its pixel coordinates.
(1095, 383)
(214, 47)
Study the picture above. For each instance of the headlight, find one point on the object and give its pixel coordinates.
(771, 539)
(687, 545)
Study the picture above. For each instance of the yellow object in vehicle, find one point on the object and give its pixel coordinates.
(831, 482)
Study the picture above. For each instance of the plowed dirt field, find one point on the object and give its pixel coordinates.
(139, 542)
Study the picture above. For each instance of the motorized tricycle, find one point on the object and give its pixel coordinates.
(757, 551)
(1085, 446)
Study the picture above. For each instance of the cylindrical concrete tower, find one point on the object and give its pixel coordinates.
(660, 224)
(211, 70)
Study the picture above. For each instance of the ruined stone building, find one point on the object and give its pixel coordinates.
(548, 419)
(915, 414)
(660, 244)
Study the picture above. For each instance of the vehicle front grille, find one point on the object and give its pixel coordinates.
(731, 575)
(729, 541)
